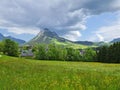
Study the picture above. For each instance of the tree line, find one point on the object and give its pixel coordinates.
(48, 52)
(109, 54)
(56, 52)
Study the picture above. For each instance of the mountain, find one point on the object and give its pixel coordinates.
(19, 41)
(46, 36)
(115, 40)
(1, 36)
(84, 43)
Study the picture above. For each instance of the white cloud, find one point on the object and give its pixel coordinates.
(106, 33)
(101, 38)
(73, 35)
(109, 32)
(33, 31)
(19, 30)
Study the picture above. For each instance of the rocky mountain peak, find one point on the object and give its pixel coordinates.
(46, 36)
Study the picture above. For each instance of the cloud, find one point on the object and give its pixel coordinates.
(106, 33)
(15, 30)
(109, 32)
(101, 38)
(58, 15)
(73, 35)
(20, 30)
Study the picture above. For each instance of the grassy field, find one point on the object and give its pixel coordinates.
(23, 74)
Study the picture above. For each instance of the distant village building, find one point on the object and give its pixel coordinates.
(26, 52)
(82, 51)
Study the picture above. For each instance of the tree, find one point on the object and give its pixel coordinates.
(90, 55)
(10, 47)
(50, 52)
(114, 52)
(56, 52)
(41, 52)
(73, 54)
(109, 54)
(53, 52)
(62, 53)
(102, 55)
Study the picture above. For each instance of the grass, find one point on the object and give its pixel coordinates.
(24, 74)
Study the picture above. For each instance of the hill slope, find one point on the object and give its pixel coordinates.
(22, 74)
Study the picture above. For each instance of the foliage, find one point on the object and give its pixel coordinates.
(10, 47)
(25, 74)
(41, 52)
(57, 52)
(73, 54)
(90, 55)
(109, 54)
(50, 52)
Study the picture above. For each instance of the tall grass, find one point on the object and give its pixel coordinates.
(23, 74)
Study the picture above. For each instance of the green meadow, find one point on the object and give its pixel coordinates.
(26, 74)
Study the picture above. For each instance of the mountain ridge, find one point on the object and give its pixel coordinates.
(89, 43)
(19, 41)
(46, 36)
(115, 40)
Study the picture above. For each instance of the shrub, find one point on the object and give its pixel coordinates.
(10, 47)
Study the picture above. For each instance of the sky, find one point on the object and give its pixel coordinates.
(76, 20)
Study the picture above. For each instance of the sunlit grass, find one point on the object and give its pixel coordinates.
(24, 74)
